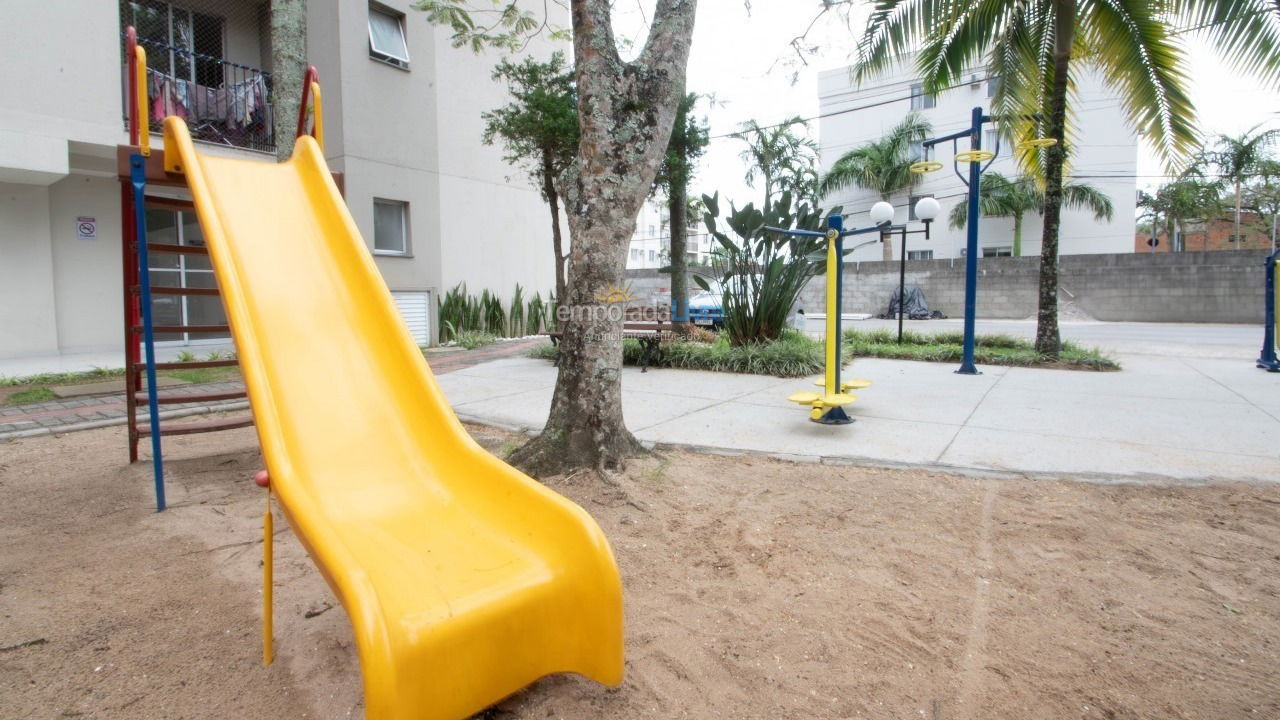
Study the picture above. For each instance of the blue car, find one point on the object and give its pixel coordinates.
(704, 309)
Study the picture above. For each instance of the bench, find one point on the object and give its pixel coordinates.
(651, 326)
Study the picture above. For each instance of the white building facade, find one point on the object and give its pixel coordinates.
(402, 123)
(651, 242)
(1104, 155)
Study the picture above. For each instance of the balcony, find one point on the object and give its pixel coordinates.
(200, 67)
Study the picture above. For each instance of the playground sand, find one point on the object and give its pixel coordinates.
(754, 589)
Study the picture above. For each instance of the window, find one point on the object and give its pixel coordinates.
(390, 227)
(386, 37)
(635, 254)
(991, 138)
(993, 84)
(1006, 251)
(653, 255)
(916, 153)
(921, 101)
(652, 231)
(911, 206)
(919, 254)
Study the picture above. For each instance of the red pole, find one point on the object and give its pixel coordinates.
(310, 76)
(130, 43)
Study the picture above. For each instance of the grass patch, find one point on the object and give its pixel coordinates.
(31, 395)
(67, 378)
(202, 375)
(792, 355)
(988, 350)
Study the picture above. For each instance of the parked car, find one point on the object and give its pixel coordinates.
(704, 309)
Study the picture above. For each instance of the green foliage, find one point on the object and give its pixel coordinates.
(884, 165)
(539, 128)
(65, 378)
(998, 196)
(495, 318)
(472, 339)
(536, 315)
(949, 347)
(515, 319)
(500, 24)
(689, 140)
(793, 354)
(785, 161)
(761, 273)
(187, 356)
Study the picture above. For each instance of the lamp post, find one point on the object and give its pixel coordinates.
(926, 210)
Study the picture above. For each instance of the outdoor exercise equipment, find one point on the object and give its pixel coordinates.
(927, 208)
(464, 579)
(1270, 332)
(827, 408)
(978, 160)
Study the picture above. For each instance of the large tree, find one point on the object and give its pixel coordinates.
(288, 62)
(1013, 198)
(626, 110)
(1138, 45)
(781, 158)
(539, 130)
(883, 166)
(688, 142)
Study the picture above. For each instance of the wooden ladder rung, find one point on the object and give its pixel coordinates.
(177, 249)
(184, 291)
(142, 367)
(185, 328)
(141, 397)
(144, 429)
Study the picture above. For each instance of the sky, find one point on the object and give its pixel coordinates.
(744, 60)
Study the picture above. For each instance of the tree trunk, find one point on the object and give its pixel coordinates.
(626, 112)
(677, 206)
(553, 200)
(1017, 234)
(288, 62)
(1048, 339)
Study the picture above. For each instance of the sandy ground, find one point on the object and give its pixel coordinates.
(754, 589)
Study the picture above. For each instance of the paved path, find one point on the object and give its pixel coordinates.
(1167, 416)
(99, 410)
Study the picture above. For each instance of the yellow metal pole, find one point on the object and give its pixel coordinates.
(318, 132)
(266, 583)
(144, 122)
(833, 307)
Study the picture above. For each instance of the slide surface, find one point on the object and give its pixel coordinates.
(464, 579)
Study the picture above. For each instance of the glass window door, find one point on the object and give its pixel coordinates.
(171, 227)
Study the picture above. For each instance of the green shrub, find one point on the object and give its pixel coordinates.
(536, 315)
(472, 339)
(949, 347)
(791, 355)
(515, 320)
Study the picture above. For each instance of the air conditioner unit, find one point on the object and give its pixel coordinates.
(975, 81)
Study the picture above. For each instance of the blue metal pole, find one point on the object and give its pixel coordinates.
(837, 415)
(138, 176)
(971, 260)
(1267, 360)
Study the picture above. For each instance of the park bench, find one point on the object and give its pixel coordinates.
(651, 326)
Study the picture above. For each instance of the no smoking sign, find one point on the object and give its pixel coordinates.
(87, 228)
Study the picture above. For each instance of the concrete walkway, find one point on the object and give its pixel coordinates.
(1185, 418)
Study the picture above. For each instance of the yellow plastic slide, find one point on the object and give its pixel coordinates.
(464, 579)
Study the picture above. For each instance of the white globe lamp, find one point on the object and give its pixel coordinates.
(927, 209)
(881, 213)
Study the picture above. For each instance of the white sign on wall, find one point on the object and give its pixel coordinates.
(87, 228)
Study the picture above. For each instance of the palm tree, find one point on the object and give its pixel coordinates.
(1178, 202)
(1237, 158)
(883, 165)
(1138, 45)
(1001, 197)
(783, 159)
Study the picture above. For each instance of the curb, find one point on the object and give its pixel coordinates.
(110, 422)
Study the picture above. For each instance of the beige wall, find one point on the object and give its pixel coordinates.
(86, 273)
(27, 322)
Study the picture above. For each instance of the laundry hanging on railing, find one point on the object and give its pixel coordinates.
(239, 106)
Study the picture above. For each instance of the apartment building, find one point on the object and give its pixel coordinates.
(650, 246)
(402, 123)
(1104, 154)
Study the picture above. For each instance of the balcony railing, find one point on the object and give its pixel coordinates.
(230, 105)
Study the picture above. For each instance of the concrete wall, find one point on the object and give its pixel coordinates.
(27, 322)
(1219, 287)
